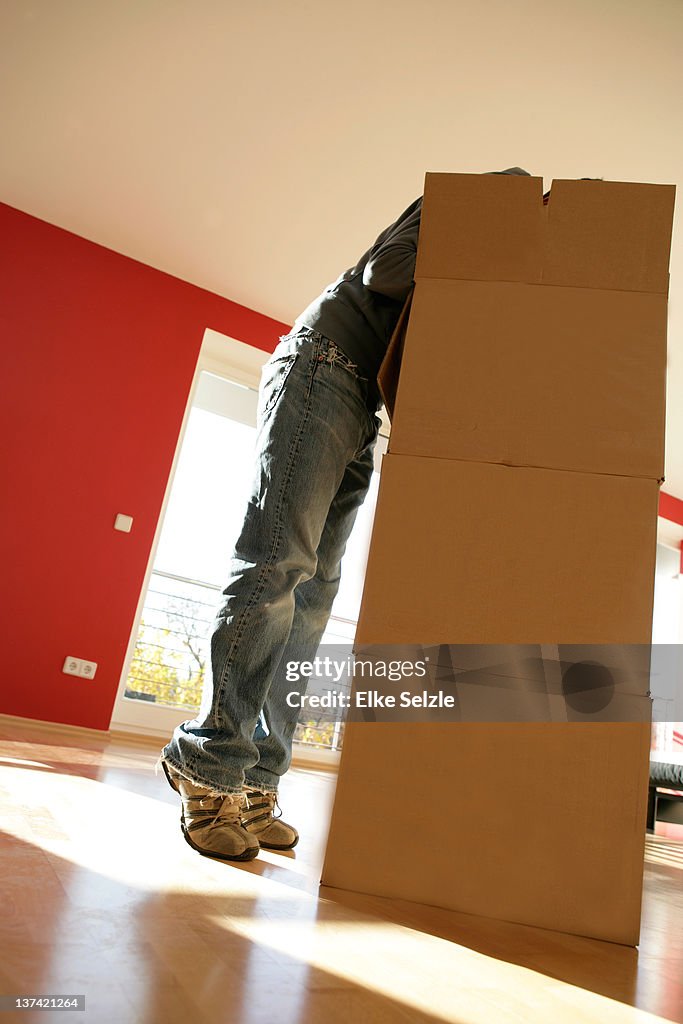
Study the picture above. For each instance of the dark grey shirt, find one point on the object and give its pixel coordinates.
(360, 310)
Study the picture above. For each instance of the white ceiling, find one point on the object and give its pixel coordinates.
(257, 148)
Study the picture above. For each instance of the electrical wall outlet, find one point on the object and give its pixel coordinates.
(79, 667)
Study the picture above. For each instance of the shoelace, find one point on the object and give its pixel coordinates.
(228, 810)
(270, 798)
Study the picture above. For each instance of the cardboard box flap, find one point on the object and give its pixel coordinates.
(387, 377)
(610, 235)
(486, 227)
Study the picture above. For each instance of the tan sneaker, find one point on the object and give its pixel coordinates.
(258, 819)
(211, 823)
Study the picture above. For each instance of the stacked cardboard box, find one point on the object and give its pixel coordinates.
(518, 505)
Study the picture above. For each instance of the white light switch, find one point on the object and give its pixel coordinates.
(123, 523)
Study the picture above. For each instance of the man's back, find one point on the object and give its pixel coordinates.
(359, 310)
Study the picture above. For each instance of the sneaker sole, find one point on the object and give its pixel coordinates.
(248, 854)
(269, 846)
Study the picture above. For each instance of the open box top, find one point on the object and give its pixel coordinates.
(591, 234)
(547, 324)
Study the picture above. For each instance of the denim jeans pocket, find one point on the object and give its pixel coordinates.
(336, 357)
(273, 379)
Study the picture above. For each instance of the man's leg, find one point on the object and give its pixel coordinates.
(313, 422)
(314, 599)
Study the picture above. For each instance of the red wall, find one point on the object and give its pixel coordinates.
(97, 356)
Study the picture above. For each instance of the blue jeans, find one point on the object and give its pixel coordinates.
(316, 432)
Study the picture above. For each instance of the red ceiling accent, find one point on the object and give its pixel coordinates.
(671, 508)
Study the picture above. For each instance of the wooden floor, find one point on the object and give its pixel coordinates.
(101, 896)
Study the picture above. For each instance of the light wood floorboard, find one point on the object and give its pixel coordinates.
(102, 896)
